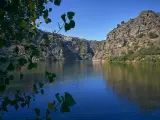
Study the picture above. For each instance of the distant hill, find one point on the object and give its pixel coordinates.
(60, 47)
(137, 39)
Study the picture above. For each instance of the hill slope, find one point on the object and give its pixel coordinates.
(60, 47)
(137, 39)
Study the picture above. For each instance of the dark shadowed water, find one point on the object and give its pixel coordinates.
(102, 91)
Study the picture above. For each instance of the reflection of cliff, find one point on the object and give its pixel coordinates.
(140, 84)
(71, 70)
(65, 71)
(30, 78)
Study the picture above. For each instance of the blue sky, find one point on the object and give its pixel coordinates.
(95, 18)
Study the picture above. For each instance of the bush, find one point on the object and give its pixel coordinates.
(152, 50)
(140, 35)
(118, 25)
(136, 47)
(131, 57)
(130, 52)
(118, 58)
(153, 35)
(122, 22)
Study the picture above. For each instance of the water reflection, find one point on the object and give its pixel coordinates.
(112, 85)
(66, 72)
(138, 83)
(30, 78)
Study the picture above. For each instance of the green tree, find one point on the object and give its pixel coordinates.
(18, 23)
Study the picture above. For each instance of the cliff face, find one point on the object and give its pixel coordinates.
(59, 47)
(136, 37)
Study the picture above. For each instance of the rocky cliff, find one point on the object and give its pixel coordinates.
(60, 47)
(136, 39)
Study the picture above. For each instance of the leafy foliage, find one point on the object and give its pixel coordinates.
(24, 100)
(153, 35)
(50, 106)
(71, 23)
(10, 67)
(141, 35)
(19, 23)
(57, 2)
(151, 50)
(32, 65)
(37, 111)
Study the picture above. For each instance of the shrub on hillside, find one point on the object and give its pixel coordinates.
(130, 52)
(140, 35)
(118, 25)
(153, 35)
(122, 22)
(152, 50)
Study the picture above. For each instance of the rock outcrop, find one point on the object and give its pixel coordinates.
(134, 38)
(137, 39)
(60, 47)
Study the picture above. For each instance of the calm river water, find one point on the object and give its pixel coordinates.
(102, 91)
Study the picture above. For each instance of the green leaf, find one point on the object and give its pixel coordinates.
(50, 106)
(16, 96)
(62, 98)
(35, 52)
(50, 76)
(0, 117)
(35, 65)
(16, 49)
(42, 91)
(21, 76)
(1, 43)
(50, 9)
(28, 101)
(64, 107)
(37, 111)
(22, 23)
(31, 5)
(47, 74)
(7, 81)
(1, 12)
(38, 119)
(50, 79)
(31, 65)
(16, 106)
(69, 99)
(49, 118)
(41, 85)
(48, 20)
(45, 14)
(18, 91)
(70, 15)
(34, 86)
(11, 77)
(58, 97)
(22, 61)
(72, 24)
(10, 67)
(53, 75)
(21, 99)
(23, 105)
(67, 27)
(64, 18)
(57, 2)
(13, 102)
(47, 113)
